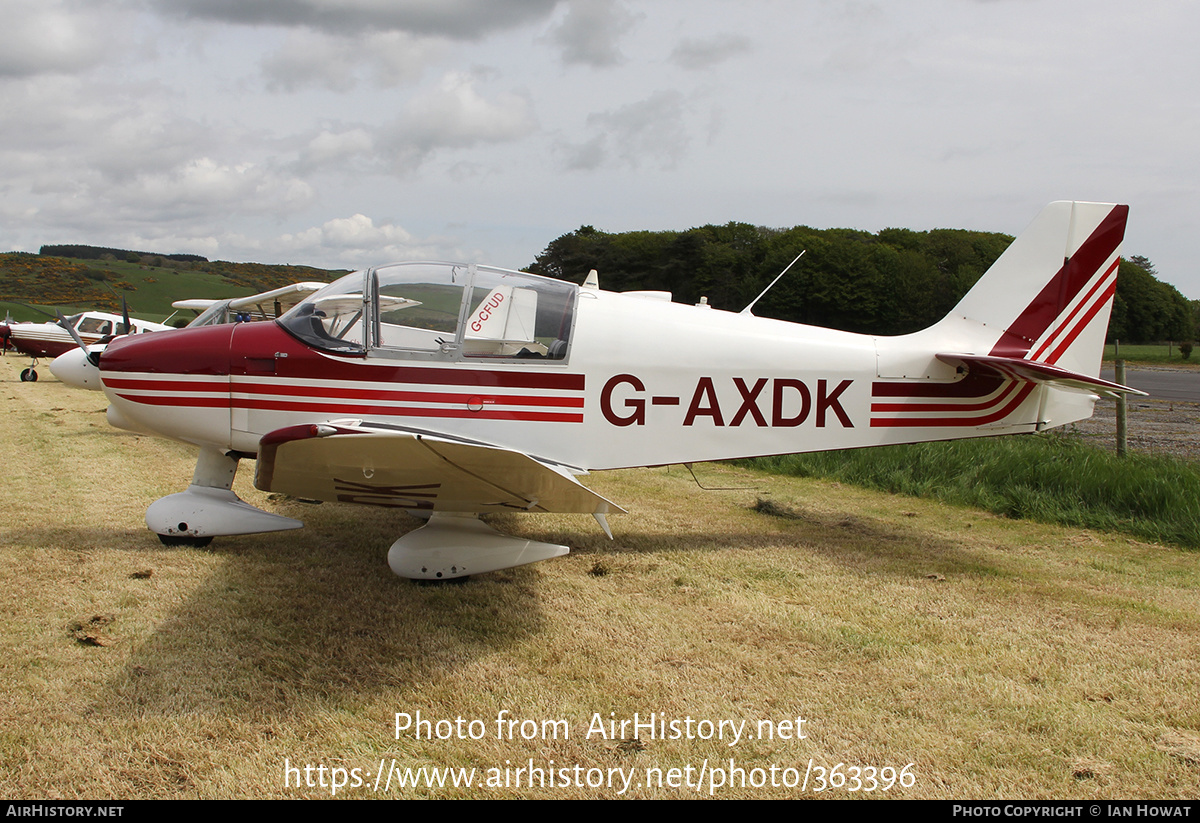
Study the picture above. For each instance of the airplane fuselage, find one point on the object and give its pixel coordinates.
(647, 382)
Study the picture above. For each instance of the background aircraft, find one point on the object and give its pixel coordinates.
(79, 366)
(265, 306)
(54, 338)
(451, 390)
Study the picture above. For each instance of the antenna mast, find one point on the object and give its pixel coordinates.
(772, 283)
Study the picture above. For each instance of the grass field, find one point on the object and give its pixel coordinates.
(1051, 477)
(1152, 354)
(999, 657)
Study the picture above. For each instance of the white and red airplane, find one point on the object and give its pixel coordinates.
(451, 389)
(39, 340)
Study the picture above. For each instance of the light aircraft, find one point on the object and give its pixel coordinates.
(451, 390)
(52, 339)
(79, 366)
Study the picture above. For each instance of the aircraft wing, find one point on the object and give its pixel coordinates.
(356, 462)
(1037, 372)
(195, 303)
(286, 296)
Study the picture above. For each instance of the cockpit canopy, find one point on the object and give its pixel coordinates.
(439, 311)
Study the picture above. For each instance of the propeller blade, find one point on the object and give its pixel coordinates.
(39, 311)
(93, 357)
(125, 317)
(62, 321)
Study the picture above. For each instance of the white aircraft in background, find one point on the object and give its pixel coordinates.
(265, 306)
(78, 366)
(451, 389)
(52, 339)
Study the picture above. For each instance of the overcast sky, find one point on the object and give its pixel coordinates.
(344, 133)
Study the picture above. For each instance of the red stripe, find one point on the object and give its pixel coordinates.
(192, 402)
(336, 391)
(166, 385)
(1075, 310)
(333, 408)
(974, 385)
(446, 377)
(350, 394)
(1064, 286)
(930, 422)
(943, 407)
(396, 411)
(1084, 321)
(405, 396)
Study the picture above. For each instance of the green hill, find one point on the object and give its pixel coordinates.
(149, 284)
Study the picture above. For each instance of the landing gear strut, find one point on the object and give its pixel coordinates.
(209, 507)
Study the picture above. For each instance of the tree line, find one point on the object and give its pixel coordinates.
(894, 281)
(83, 252)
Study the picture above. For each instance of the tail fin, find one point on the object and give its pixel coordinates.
(1067, 260)
(1022, 349)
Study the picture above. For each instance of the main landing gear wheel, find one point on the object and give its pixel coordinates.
(28, 376)
(184, 540)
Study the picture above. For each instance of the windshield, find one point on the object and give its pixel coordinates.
(214, 315)
(439, 311)
(332, 318)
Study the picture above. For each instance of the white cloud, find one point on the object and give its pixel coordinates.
(358, 241)
(337, 149)
(451, 115)
(50, 37)
(203, 184)
(454, 115)
(199, 195)
(648, 132)
(359, 230)
(585, 156)
(591, 32)
(695, 54)
(338, 63)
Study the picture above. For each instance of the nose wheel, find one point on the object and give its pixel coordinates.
(28, 376)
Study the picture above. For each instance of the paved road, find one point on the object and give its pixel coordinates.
(1163, 383)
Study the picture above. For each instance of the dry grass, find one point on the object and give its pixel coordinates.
(1002, 658)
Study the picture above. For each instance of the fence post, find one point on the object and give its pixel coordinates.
(1122, 420)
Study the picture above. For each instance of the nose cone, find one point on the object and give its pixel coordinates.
(75, 369)
(172, 383)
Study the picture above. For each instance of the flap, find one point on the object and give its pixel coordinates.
(400, 468)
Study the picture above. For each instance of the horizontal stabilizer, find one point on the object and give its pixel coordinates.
(1016, 368)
